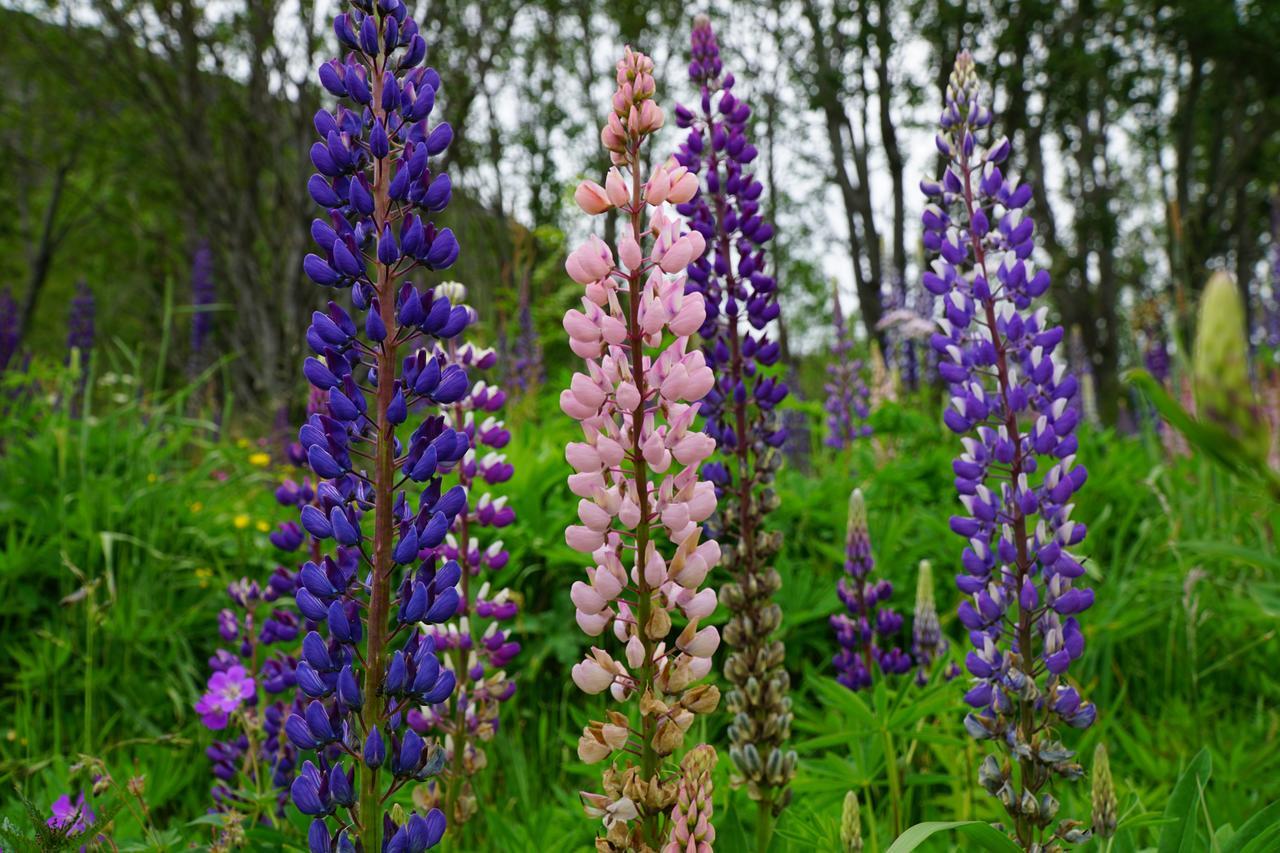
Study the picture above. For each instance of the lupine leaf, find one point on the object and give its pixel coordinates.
(983, 835)
(1182, 811)
(1259, 833)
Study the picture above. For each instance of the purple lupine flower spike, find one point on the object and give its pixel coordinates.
(847, 395)
(527, 368)
(365, 665)
(80, 340)
(475, 641)
(203, 295)
(1010, 400)
(10, 332)
(80, 321)
(741, 412)
(1272, 306)
(868, 632)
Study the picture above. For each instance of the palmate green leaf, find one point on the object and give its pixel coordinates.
(1182, 811)
(1259, 834)
(978, 835)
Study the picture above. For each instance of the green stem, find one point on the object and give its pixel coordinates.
(895, 784)
(764, 823)
(370, 806)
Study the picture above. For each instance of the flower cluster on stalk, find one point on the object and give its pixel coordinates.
(741, 412)
(203, 295)
(868, 631)
(372, 664)
(1017, 476)
(847, 402)
(10, 332)
(636, 473)
(474, 643)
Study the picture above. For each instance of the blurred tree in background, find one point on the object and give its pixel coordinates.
(132, 130)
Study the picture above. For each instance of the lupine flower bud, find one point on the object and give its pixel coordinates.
(1010, 401)
(691, 827)
(851, 824)
(1103, 795)
(1220, 367)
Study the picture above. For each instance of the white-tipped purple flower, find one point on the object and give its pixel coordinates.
(1010, 399)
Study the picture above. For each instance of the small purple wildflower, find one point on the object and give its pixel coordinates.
(868, 631)
(72, 817)
(227, 691)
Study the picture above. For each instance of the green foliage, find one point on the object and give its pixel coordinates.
(120, 530)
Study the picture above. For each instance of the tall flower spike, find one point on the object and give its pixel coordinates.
(81, 337)
(851, 824)
(474, 642)
(847, 396)
(741, 414)
(691, 827)
(1010, 400)
(203, 295)
(867, 632)
(381, 578)
(1103, 795)
(927, 643)
(9, 330)
(636, 474)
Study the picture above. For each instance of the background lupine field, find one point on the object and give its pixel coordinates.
(556, 425)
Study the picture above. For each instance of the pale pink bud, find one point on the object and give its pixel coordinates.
(616, 188)
(591, 677)
(703, 502)
(591, 750)
(594, 516)
(583, 539)
(629, 513)
(611, 452)
(580, 327)
(588, 393)
(655, 452)
(701, 605)
(635, 652)
(702, 644)
(683, 187)
(585, 484)
(628, 396)
(693, 572)
(659, 185)
(613, 330)
(607, 585)
(586, 599)
(574, 407)
(590, 262)
(585, 350)
(699, 667)
(593, 624)
(690, 317)
(675, 516)
(582, 456)
(693, 448)
(655, 569)
(629, 252)
(701, 380)
(591, 197)
(677, 258)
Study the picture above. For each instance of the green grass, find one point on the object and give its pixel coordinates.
(119, 532)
